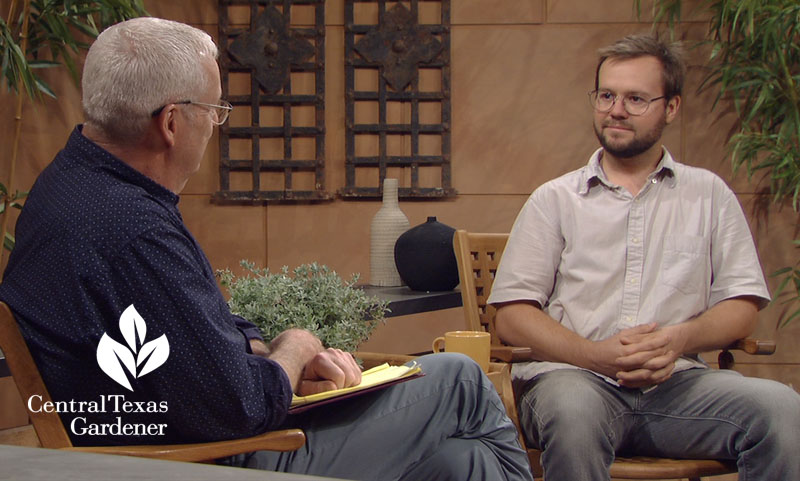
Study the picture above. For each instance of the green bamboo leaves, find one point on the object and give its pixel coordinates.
(56, 33)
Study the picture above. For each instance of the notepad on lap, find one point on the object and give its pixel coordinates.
(378, 377)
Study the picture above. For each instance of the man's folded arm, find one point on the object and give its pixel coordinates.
(218, 389)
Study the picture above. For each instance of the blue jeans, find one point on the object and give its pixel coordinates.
(448, 425)
(580, 422)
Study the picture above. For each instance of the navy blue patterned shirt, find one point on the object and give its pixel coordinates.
(95, 237)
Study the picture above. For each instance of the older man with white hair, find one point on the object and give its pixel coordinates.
(103, 256)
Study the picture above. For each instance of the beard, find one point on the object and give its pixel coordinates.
(640, 143)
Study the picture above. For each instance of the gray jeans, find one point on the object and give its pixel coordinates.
(448, 425)
(580, 422)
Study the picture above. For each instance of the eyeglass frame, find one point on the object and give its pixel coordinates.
(593, 102)
(225, 108)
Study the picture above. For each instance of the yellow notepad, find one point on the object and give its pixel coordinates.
(376, 376)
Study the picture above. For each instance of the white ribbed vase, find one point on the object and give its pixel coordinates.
(387, 225)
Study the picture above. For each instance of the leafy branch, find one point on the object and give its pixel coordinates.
(9, 200)
(50, 33)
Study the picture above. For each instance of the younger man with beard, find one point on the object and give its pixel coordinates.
(617, 275)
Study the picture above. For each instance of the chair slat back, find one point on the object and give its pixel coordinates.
(29, 382)
(478, 255)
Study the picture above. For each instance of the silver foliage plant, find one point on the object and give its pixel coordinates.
(311, 297)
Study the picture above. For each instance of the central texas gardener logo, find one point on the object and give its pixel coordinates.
(112, 356)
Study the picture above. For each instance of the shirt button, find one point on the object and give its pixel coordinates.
(655, 181)
(635, 240)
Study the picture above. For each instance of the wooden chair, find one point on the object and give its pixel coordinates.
(48, 431)
(478, 256)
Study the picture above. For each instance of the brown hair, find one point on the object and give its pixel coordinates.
(671, 57)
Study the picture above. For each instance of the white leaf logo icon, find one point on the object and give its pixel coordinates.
(109, 355)
(112, 355)
(160, 352)
(130, 324)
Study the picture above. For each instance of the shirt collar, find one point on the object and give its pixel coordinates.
(592, 174)
(97, 157)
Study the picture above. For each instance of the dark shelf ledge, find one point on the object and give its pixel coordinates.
(403, 301)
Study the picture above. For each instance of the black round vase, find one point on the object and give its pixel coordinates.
(425, 259)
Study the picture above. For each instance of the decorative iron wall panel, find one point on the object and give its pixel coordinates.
(272, 62)
(397, 97)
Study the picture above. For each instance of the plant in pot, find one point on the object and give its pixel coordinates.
(40, 34)
(754, 64)
(310, 297)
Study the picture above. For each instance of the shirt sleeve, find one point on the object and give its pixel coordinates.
(736, 270)
(213, 387)
(247, 328)
(529, 264)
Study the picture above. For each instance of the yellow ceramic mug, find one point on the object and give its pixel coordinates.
(474, 344)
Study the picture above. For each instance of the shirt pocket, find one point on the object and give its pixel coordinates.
(685, 263)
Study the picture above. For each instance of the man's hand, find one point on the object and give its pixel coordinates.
(655, 371)
(636, 357)
(293, 349)
(328, 370)
(659, 368)
(312, 368)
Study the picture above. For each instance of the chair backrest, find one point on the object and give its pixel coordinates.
(478, 255)
(48, 425)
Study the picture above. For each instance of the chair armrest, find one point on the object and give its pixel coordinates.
(510, 353)
(748, 345)
(753, 346)
(372, 359)
(501, 353)
(20, 436)
(285, 440)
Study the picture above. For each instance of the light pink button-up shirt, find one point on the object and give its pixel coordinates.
(601, 260)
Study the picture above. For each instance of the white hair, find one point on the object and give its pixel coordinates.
(137, 66)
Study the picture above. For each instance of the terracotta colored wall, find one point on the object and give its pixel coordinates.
(520, 73)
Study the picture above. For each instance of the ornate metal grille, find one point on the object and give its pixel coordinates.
(273, 71)
(397, 97)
